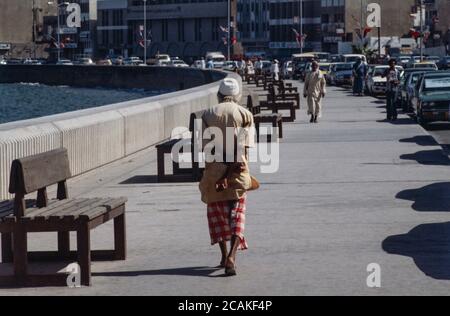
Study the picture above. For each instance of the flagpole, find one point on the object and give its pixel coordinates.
(145, 32)
(229, 29)
(301, 27)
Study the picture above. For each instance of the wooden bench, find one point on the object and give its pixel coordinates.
(62, 215)
(276, 119)
(281, 94)
(194, 173)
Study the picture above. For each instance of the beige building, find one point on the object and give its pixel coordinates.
(22, 27)
(395, 16)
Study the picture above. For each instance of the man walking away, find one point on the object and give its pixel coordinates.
(225, 182)
(314, 90)
(359, 75)
(392, 76)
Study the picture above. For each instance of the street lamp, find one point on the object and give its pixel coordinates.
(59, 30)
(145, 32)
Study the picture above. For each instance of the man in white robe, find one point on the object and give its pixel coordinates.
(314, 90)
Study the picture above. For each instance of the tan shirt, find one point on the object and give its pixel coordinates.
(315, 84)
(235, 120)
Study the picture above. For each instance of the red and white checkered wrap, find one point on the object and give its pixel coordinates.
(226, 219)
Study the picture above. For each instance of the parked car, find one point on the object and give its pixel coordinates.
(352, 58)
(432, 101)
(288, 69)
(105, 62)
(377, 81)
(116, 60)
(402, 60)
(325, 69)
(30, 61)
(341, 74)
(444, 63)
(366, 80)
(407, 87)
(414, 59)
(85, 61)
(64, 62)
(432, 59)
(14, 61)
(178, 63)
(132, 61)
(230, 65)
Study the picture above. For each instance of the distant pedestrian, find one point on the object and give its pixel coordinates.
(259, 66)
(210, 64)
(392, 75)
(314, 91)
(249, 70)
(275, 70)
(359, 76)
(203, 63)
(225, 181)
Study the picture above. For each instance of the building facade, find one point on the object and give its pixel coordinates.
(22, 27)
(253, 20)
(184, 28)
(78, 42)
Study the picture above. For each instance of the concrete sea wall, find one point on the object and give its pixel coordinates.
(98, 136)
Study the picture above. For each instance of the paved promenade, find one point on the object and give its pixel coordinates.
(351, 190)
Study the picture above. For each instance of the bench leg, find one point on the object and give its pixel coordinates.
(20, 253)
(120, 240)
(64, 244)
(280, 128)
(7, 253)
(161, 164)
(257, 131)
(84, 253)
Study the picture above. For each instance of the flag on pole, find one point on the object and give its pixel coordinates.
(141, 37)
(298, 37)
(224, 29)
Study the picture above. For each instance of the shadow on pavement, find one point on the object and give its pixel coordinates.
(428, 245)
(141, 180)
(428, 157)
(430, 198)
(399, 121)
(187, 271)
(422, 140)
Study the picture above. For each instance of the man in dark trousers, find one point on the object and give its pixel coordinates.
(392, 75)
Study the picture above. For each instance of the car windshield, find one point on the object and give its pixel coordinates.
(415, 77)
(378, 72)
(437, 83)
(341, 67)
(324, 67)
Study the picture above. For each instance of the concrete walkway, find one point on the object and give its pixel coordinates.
(350, 191)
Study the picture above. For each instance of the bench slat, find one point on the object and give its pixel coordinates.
(35, 211)
(91, 214)
(73, 212)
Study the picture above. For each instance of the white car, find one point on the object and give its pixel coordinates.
(64, 62)
(133, 61)
(85, 61)
(376, 84)
(30, 61)
(288, 69)
(230, 65)
(200, 64)
(3, 62)
(178, 63)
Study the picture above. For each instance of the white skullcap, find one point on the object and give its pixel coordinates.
(229, 87)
